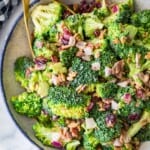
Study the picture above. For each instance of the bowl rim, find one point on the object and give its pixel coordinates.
(6, 33)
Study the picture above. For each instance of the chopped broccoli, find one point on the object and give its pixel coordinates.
(124, 90)
(47, 135)
(91, 23)
(103, 11)
(104, 133)
(45, 16)
(107, 147)
(28, 104)
(67, 102)
(90, 142)
(85, 75)
(74, 23)
(67, 56)
(136, 127)
(72, 145)
(130, 112)
(20, 68)
(43, 48)
(141, 19)
(106, 90)
(107, 59)
(144, 134)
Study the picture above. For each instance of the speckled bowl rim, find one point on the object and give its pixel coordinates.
(5, 36)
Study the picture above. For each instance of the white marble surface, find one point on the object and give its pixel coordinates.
(11, 138)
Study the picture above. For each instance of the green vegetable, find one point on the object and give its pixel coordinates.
(45, 16)
(141, 19)
(90, 142)
(28, 104)
(106, 90)
(85, 75)
(67, 56)
(20, 68)
(66, 102)
(91, 23)
(72, 145)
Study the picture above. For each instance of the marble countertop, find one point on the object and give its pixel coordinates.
(11, 138)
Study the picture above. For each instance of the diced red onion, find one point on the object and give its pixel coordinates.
(114, 105)
(57, 144)
(127, 98)
(81, 44)
(95, 66)
(40, 67)
(134, 117)
(108, 71)
(117, 143)
(90, 123)
(123, 84)
(114, 9)
(40, 60)
(110, 120)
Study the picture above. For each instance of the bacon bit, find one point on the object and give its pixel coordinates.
(97, 45)
(144, 77)
(117, 143)
(123, 40)
(140, 94)
(95, 66)
(81, 44)
(59, 79)
(137, 60)
(74, 132)
(104, 105)
(40, 60)
(71, 75)
(117, 69)
(114, 9)
(65, 134)
(80, 53)
(127, 98)
(116, 41)
(80, 88)
(91, 45)
(54, 59)
(86, 58)
(147, 56)
(75, 7)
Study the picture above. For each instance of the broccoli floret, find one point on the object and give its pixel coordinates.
(74, 23)
(144, 134)
(43, 48)
(137, 63)
(107, 59)
(107, 148)
(72, 145)
(141, 19)
(136, 127)
(28, 104)
(124, 90)
(121, 12)
(20, 68)
(67, 56)
(130, 112)
(90, 142)
(106, 90)
(66, 102)
(47, 135)
(91, 23)
(103, 11)
(85, 74)
(45, 16)
(104, 133)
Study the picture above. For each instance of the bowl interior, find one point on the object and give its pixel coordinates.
(18, 46)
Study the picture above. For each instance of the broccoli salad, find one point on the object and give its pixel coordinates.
(88, 85)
